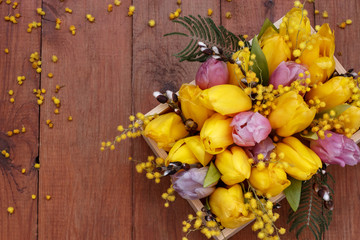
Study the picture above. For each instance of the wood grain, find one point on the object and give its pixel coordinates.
(155, 68)
(250, 21)
(110, 69)
(91, 191)
(16, 188)
(347, 190)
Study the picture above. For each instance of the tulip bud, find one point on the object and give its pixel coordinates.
(318, 54)
(301, 161)
(191, 106)
(189, 184)
(216, 134)
(352, 118)
(228, 205)
(211, 73)
(286, 73)
(337, 149)
(233, 165)
(274, 48)
(334, 92)
(291, 114)
(188, 150)
(249, 128)
(264, 147)
(297, 26)
(225, 99)
(271, 180)
(165, 130)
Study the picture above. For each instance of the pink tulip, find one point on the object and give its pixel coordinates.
(189, 184)
(264, 147)
(286, 73)
(337, 149)
(249, 128)
(211, 73)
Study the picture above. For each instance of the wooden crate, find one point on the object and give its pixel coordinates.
(197, 204)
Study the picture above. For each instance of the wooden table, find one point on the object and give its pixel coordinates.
(109, 70)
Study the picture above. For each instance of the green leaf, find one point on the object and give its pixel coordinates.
(212, 176)
(293, 193)
(260, 66)
(310, 136)
(339, 109)
(265, 26)
(205, 30)
(207, 204)
(311, 213)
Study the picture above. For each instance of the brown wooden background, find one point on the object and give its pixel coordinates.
(110, 69)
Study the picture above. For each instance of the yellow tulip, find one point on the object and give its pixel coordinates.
(233, 165)
(291, 114)
(165, 130)
(228, 205)
(334, 92)
(296, 26)
(319, 54)
(225, 99)
(189, 150)
(275, 49)
(271, 180)
(302, 162)
(235, 74)
(216, 134)
(352, 118)
(191, 106)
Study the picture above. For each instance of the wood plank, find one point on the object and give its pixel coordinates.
(250, 15)
(16, 188)
(91, 191)
(249, 19)
(347, 191)
(155, 68)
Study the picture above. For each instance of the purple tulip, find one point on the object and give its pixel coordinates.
(286, 73)
(249, 128)
(264, 147)
(337, 149)
(189, 184)
(211, 73)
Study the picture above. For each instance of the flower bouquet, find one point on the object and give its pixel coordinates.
(261, 121)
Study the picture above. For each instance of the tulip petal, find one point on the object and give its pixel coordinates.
(337, 149)
(189, 184)
(216, 134)
(165, 130)
(226, 99)
(191, 106)
(302, 162)
(233, 165)
(228, 206)
(271, 180)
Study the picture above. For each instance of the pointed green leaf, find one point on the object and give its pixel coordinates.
(310, 136)
(260, 66)
(339, 109)
(212, 176)
(293, 193)
(207, 204)
(265, 26)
